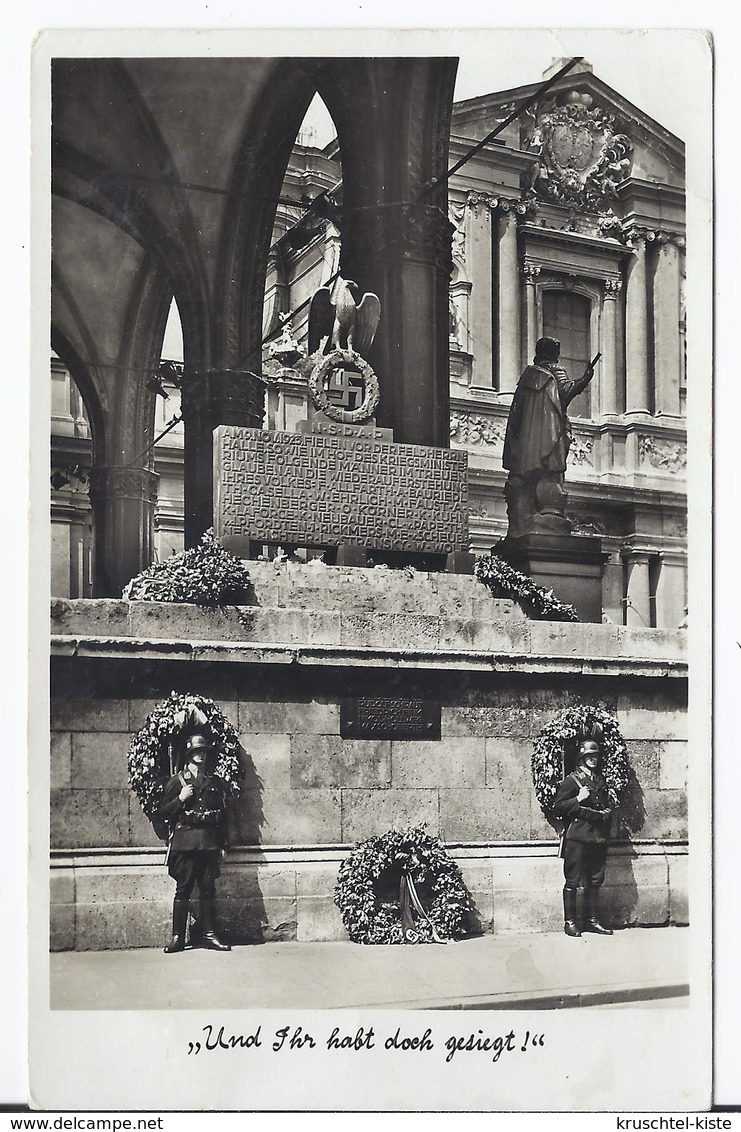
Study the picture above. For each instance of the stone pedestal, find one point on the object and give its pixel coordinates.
(570, 565)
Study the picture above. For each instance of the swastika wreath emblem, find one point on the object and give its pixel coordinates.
(320, 394)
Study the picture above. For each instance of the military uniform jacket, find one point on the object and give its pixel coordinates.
(581, 818)
(197, 823)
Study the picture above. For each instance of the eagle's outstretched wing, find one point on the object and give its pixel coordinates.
(367, 317)
(321, 319)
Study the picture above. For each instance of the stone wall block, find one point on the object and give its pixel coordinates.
(491, 814)
(485, 721)
(540, 828)
(328, 760)
(99, 617)
(523, 910)
(644, 758)
(89, 818)
(657, 644)
(678, 890)
(536, 873)
(660, 713)
(673, 765)
(100, 760)
(562, 638)
(141, 833)
(92, 714)
(428, 763)
(508, 763)
(317, 879)
(253, 882)
(510, 636)
(102, 926)
(370, 813)
(254, 920)
(312, 717)
(124, 885)
(61, 927)
(666, 815)
(267, 758)
(288, 817)
(390, 630)
(60, 754)
(319, 919)
(138, 712)
(62, 886)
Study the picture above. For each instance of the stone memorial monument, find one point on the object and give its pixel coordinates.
(339, 483)
(539, 538)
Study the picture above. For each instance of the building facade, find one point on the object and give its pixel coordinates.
(570, 223)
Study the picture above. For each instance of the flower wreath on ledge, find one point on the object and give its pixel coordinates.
(157, 750)
(561, 737)
(382, 883)
(504, 581)
(206, 574)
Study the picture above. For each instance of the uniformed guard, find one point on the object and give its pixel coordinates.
(583, 803)
(194, 805)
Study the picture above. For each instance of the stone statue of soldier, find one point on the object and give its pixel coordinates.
(583, 804)
(194, 806)
(536, 443)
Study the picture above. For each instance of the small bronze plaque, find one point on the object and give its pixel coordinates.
(389, 717)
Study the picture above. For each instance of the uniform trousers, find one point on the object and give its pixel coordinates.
(189, 867)
(584, 864)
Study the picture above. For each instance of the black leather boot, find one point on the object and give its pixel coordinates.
(570, 925)
(592, 924)
(209, 938)
(179, 924)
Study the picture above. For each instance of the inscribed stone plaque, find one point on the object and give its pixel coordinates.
(389, 717)
(282, 487)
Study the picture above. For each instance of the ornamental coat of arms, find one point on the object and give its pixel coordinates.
(582, 159)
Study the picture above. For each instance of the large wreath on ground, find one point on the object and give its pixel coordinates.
(156, 751)
(367, 890)
(207, 574)
(561, 737)
(537, 601)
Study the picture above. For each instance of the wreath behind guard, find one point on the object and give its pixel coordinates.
(156, 751)
(560, 738)
(377, 870)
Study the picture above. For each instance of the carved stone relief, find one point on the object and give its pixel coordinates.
(662, 454)
(476, 431)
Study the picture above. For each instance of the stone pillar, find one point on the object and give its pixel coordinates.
(671, 592)
(636, 333)
(123, 501)
(638, 591)
(667, 362)
(608, 365)
(482, 287)
(210, 399)
(531, 272)
(403, 253)
(508, 292)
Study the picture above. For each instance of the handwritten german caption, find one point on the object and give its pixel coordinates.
(285, 1039)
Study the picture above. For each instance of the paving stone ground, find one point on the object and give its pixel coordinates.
(547, 970)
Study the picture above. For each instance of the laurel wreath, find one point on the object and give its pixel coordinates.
(537, 601)
(156, 751)
(371, 392)
(207, 574)
(368, 918)
(561, 737)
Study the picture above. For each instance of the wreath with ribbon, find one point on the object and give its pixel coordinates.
(557, 745)
(402, 887)
(371, 394)
(157, 750)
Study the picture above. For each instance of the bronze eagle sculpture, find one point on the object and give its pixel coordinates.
(338, 321)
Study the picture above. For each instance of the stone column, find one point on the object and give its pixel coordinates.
(403, 253)
(123, 501)
(667, 362)
(531, 271)
(671, 592)
(210, 399)
(480, 274)
(608, 367)
(508, 292)
(638, 592)
(636, 332)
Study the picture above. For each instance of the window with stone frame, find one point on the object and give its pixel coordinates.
(566, 316)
